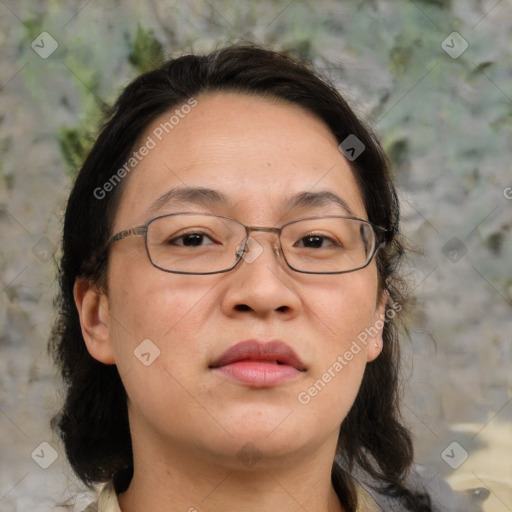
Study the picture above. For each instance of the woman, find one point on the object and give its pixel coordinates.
(230, 297)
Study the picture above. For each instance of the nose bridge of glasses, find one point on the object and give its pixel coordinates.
(275, 231)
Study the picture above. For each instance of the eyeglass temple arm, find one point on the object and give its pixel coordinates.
(138, 230)
(382, 234)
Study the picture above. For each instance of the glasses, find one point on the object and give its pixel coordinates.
(192, 243)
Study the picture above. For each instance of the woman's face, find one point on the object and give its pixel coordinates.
(258, 154)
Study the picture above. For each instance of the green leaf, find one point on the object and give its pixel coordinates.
(146, 51)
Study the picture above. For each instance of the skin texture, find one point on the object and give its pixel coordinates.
(188, 423)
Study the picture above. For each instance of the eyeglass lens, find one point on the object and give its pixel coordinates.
(200, 243)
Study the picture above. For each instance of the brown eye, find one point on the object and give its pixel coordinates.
(190, 240)
(316, 241)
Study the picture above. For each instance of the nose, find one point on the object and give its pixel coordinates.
(250, 248)
(261, 282)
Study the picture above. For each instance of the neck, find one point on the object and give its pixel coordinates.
(196, 482)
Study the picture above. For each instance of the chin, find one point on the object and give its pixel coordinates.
(273, 433)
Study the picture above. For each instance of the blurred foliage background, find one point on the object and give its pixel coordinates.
(444, 121)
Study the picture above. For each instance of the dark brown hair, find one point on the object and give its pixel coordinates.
(93, 422)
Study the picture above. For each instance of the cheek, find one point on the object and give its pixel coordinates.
(344, 309)
(343, 319)
(147, 304)
(155, 321)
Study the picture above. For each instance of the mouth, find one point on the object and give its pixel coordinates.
(258, 364)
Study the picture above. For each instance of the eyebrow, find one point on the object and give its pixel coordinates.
(209, 197)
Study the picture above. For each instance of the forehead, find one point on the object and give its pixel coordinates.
(256, 152)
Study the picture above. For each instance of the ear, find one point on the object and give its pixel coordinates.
(93, 309)
(375, 343)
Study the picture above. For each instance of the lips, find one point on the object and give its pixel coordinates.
(259, 364)
(275, 352)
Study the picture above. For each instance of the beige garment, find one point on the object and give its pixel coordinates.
(107, 501)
